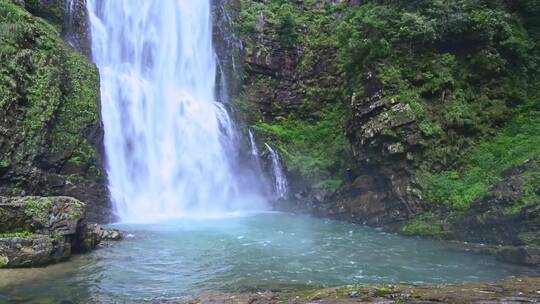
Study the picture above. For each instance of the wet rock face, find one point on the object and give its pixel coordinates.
(38, 231)
(51, 134)
(76, 28)
(228, 49)
(70, 16)
(398, 146)
(382, 134)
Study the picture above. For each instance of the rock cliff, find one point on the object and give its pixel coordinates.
(50, 128)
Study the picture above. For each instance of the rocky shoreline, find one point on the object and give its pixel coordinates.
(38, 231)
(518, 290)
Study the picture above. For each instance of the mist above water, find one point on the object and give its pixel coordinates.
(171, 147)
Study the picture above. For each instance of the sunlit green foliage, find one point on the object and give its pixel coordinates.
(483, 164)
(427, 224)
(24, 234)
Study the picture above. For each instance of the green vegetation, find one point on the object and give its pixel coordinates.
(427, 224)
(24, 234)
(317, 148)
(466, 69)
(75, 215)
(309, 131)
(79, 112)
(483, 165)
(51, 10)
(3, 261)
(280, 14)
(463, 67)
(48, 95)
(460, 71)
(39, 209)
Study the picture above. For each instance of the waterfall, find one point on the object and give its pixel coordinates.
(171, 147)
(281, 186)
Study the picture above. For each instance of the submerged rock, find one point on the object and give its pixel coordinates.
(37, 231)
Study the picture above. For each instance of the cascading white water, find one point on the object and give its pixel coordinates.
(170, 146)
(281, 185)
(254, 150)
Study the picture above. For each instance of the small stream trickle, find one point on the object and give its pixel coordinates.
(255, 155)
(281, 185)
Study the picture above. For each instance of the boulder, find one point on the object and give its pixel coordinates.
(36, 231)
(33, 250)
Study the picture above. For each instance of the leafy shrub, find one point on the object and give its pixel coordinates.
(24, 234)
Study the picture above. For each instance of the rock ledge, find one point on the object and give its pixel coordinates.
(36, 231)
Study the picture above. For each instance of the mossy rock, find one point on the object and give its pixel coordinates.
(52, 137)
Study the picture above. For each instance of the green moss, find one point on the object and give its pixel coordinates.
(427, 224)
(308, 126)
(344, 291)
(461, 70)
(80, 110)
(74, 216)
(3, 261)
(385, 290)
(39, 209)
(24, 234)
(530, 238)
(51, 92)
(531, 188)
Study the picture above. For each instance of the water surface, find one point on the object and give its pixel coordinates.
(271, 251)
